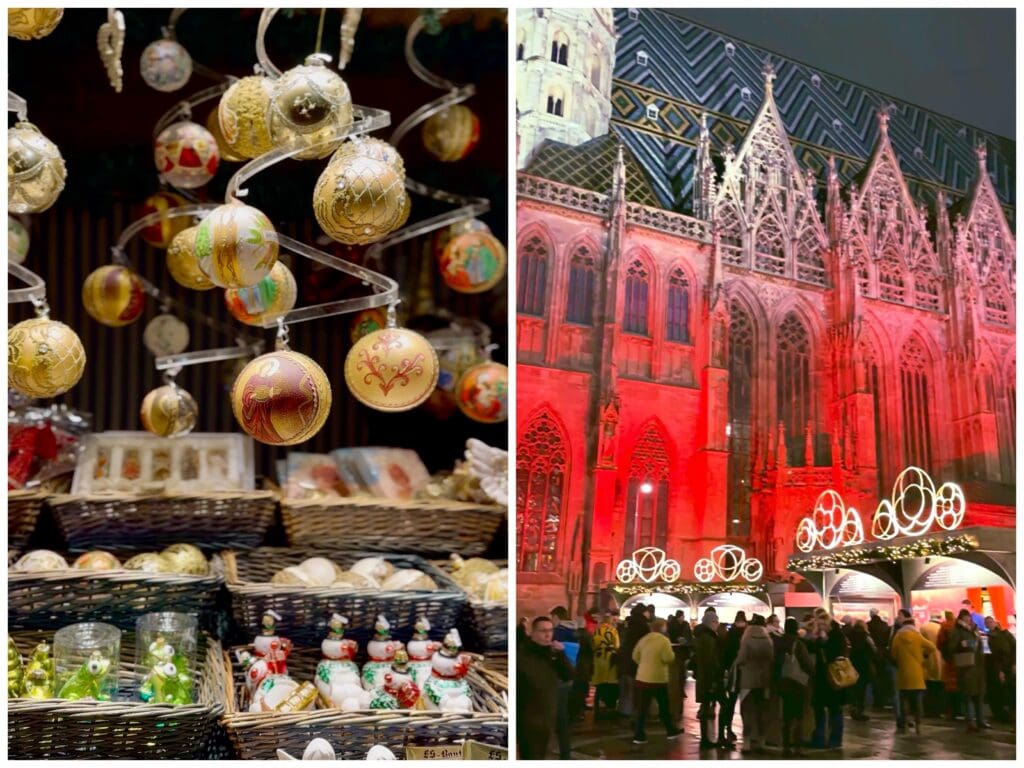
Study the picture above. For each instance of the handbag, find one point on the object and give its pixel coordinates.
(841, 673)
(963, 659)
(792, 671)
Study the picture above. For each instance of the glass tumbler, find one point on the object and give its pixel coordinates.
(165, 651)
(86, 657)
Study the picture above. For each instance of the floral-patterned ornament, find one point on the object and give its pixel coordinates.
(165, 65)
(186, 155)
(32, 23)
(482, 393)
(236, 245)
(393, 369)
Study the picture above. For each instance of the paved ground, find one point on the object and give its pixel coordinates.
(875, 739)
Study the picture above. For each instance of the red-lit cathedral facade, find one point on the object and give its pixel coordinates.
(687, 381)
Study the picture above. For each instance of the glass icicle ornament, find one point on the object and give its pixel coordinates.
(35, 170)
(165, 65)
(308, 104)
(186, 155)
(236, 245)
(45, 358)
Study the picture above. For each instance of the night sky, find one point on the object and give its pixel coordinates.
(957, 62)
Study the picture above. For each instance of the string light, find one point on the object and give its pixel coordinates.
(728, 562)
(648, 564)
(885, 553)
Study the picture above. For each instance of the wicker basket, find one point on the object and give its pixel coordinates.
(305, 611)
(486, 624)
(22, 513)
(59, 729)
(257, 736)
(427, 528)
(54, 598)
(129, 522)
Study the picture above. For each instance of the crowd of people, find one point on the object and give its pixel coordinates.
(794, 682)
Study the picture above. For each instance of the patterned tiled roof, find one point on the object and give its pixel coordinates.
(691, 69)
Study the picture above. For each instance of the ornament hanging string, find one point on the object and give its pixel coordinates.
(170, 33)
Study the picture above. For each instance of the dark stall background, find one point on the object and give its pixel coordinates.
(106, 141)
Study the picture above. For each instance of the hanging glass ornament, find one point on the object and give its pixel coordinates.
(160, 234)
(393, 369)
(17, 240)
(308, 104)
(445, 234)
(113, 295)
(281, 398)
(359, 200)
(227, 154)
(169, 411)
(45, 358)
(367, 146)
(272, 296)
(32, 23)
(165, 335)
(186, 155)
(482, 393)
(183, 264)
(455, 356)
(366, 321)
(236, 245)
(35, 170)
(452, 133)
(472, 262)
(244, 114)
(165, 65)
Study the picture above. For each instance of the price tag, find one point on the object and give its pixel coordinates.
(476, 750)
(441, 752)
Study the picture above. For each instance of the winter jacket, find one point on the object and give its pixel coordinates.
(783, 646)
(636, 627)
(911, 652)
(931, 630)
(1004, 650)
(653, 655)
(606, 650)
(825, 650)
(707, 664)
(862, 650)
(539, 670)
(948, 668)
(880, 633)
(970, 681)
(755, 659)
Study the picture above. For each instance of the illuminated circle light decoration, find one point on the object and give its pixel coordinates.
(831, 525)
(916, 505)
(649, 565)
(729, 563)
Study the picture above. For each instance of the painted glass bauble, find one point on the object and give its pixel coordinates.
(35, 170)
(96, 560)
(168, 411)
(40, 560)
(113, 295)
(366, 321)
(188, 559)
(359, 200)
(452, 133)
(281, 398)
(162, 232)
(393, 369)
(454, 359)
(186, 155)
(165, 65)
(308, 104)
(272, 296)
(17, 240)
(444, 235)
(183, 264)
(227, 154)
(472, 262)
(236, 245)
(32, 23)
(244, 116)
(367, 146)
(150, 562)
(482, 393)
(45, 358)
(165, 335)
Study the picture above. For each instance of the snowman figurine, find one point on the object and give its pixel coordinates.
(268, 639)
(399, 690)
(421, 649)
(381, 650)
(337, 675)
(266, 670)
(447, 689)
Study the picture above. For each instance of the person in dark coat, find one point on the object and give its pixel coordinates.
(755, 662)
(569, 636)
(708, 672)
(828, 643)
(881, 687)
(862, 656)
(682, 640)
(793, 694)
(1001, 666)
(968, 657)
(730, 691)
(636, 627)
(541, 666)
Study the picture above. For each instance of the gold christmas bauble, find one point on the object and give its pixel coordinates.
(17, 240)
(35, 170)
(452, 133)
(244, 116)
(482, 393)
(281, 398)
(472, 262)
(44, 358)
(32, 23)
(367, 146)
(366, 321)
(186, 155)
(163, 232)
(165, 335)
(165, 65)
(308, 104)
(113, 295)
(183, 264)
(227, 154)
(168, 411)
(272, 296)
(393, 369)
(150, 562)
(359, 200)
(97, 561)
(187, 558)
(236, 245)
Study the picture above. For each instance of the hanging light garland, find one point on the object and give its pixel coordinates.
(887, 553)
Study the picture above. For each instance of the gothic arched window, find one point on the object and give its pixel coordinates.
(678, 326)
(647, 493)
(793, 396)
(769, 247)
(520, 51)
(873, 374)
(926, 292)
(560, 48)
(541, 472)
(891, 285)
(915, 402)
(637, 287)
(533, 270)
(741, 388)
(997, 305)
(580, 306)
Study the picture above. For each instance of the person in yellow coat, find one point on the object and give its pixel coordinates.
(653, 655)
(912, 653)
(606, 668)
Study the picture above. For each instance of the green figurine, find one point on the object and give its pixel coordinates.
(164, 684)
(160, 651)
(88, 681)
(14, 670)
(39, 674)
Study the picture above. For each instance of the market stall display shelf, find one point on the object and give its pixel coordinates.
(23, 509)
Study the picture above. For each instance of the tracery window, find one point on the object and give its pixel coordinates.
(997, 305)
(874, 384)
(926, 293)
(741, 388)
(770, 247)
(533, 269)
(890, 281)
(647, 493)
(580, 306)
(637, 287)
(731, 230)
(560, 48)
(810, 266)
(793, 385)
(915, 402)
(678, 326)
(541, 472)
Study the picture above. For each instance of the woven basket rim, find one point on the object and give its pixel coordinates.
(113, 574)
(411, 504)
(107, 496)
(26, 494)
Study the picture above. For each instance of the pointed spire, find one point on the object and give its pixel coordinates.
(769, 75)
(704, 191)
(883, 122)
(833, 203)
(982, 152)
